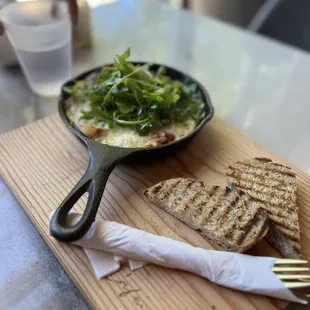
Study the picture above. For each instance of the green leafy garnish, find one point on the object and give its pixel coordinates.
(135, 96)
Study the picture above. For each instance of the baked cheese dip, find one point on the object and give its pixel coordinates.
(131, 106)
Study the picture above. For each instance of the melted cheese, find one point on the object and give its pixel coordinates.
(124, 136)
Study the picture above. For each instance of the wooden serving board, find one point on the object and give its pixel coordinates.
(41, 162)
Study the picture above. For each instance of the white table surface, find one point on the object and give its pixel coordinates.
(258, 85)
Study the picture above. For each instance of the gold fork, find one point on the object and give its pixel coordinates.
(292, 272)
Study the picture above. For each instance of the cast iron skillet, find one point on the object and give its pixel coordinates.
(103, 159)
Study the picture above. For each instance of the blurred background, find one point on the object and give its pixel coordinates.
(239, 12)
(284, 20)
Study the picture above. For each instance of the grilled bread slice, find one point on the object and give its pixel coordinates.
(274, 185)
(229, 218)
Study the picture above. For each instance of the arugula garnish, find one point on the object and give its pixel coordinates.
(133, 96)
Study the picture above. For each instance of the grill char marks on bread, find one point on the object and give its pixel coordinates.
(229, 218)
(274, 186)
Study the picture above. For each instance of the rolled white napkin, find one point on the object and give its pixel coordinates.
(107, 244)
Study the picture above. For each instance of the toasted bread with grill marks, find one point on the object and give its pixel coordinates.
(274, 185)
(229, 218)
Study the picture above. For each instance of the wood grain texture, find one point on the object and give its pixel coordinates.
(42, 161)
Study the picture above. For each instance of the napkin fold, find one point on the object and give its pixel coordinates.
(109, 244)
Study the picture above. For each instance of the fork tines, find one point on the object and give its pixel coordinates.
(292, 272)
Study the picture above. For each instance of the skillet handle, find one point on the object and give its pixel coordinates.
(103, 159)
